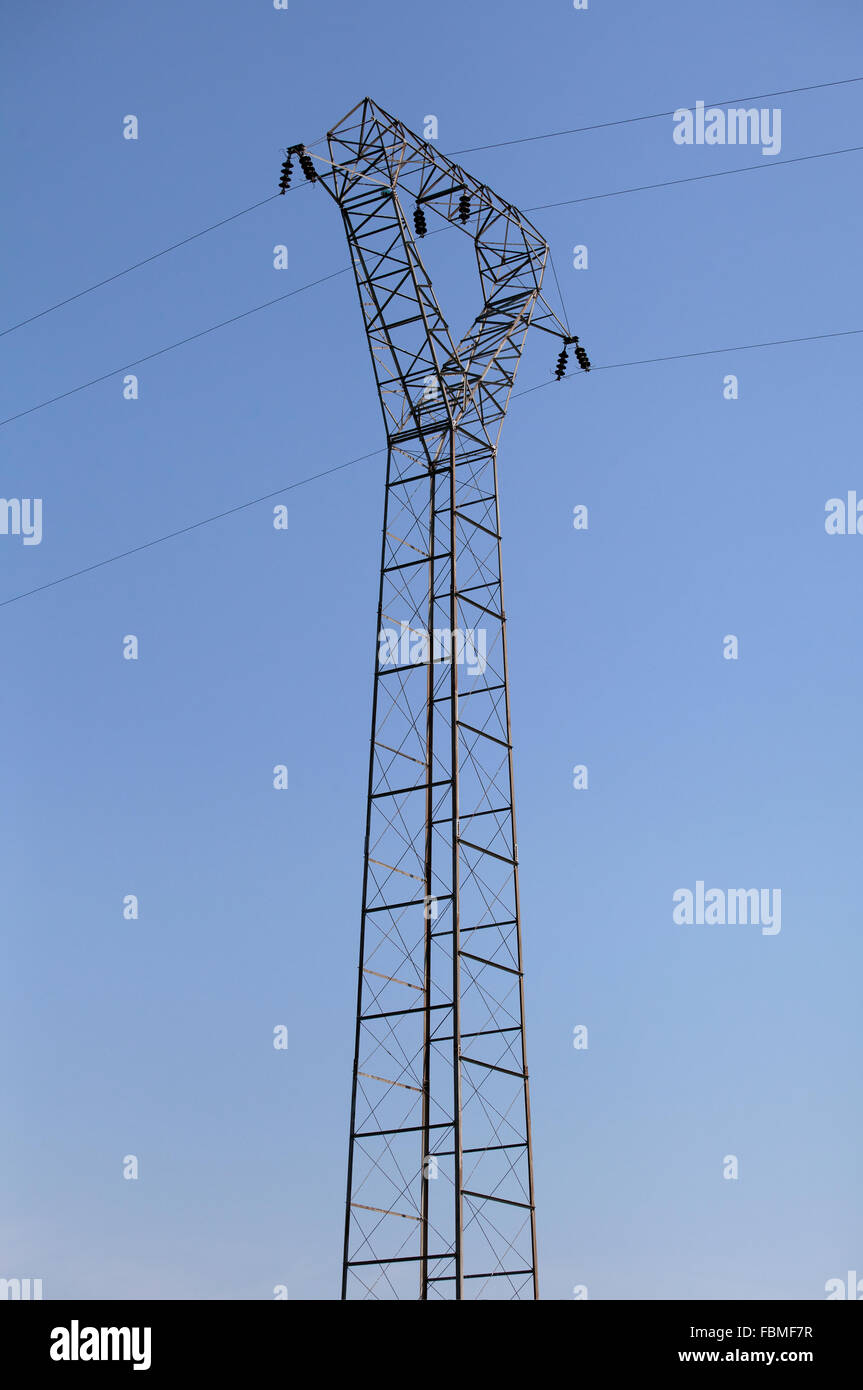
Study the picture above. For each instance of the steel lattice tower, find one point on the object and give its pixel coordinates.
(440, 1200)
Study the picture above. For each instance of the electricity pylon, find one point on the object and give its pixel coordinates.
(440, 1198)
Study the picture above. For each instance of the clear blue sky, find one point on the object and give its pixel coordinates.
(154, 1037)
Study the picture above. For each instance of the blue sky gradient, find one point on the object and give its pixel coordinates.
(154, 1037)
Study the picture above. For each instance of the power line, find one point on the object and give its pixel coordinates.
(137, 266)
(654, 116)
(695, 178)
(702, 352)
(361, 458)
(106, 376)
(184, 530)
(737, 347)
(551, 135)
(171, 346)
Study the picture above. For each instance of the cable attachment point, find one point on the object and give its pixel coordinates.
(305, 160)
(581, 358)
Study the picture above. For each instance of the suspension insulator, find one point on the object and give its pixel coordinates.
(285, 179)
(308, 167)
(420, 226)
(582, 359)
(560, 369)
(464, 207)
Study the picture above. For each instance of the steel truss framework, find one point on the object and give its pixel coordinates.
(440, 1199)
